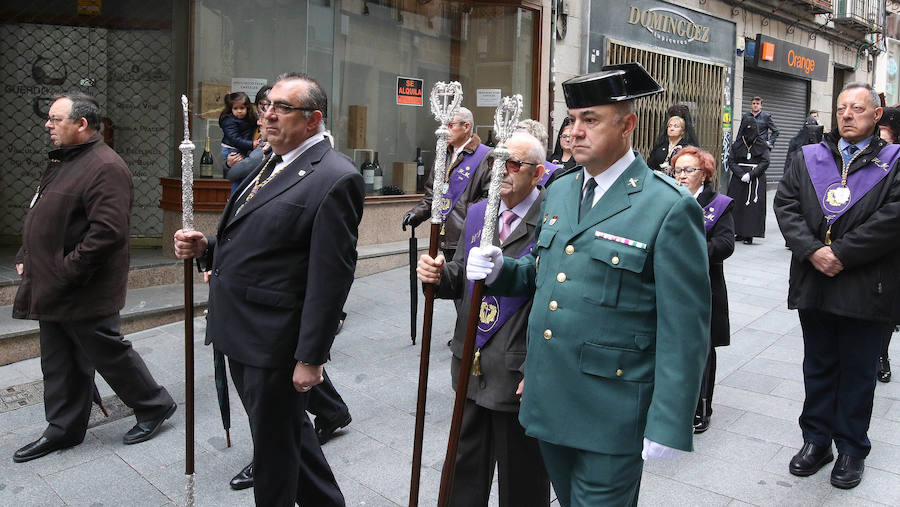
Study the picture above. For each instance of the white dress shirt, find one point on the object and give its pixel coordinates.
(608, 177)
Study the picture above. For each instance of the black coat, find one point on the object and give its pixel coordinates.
(502, 357)
(767, 129)
(282, 268)
(659, 155)
(237, 133)
(866, 239)
(719, 246)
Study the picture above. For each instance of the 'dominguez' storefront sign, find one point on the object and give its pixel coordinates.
(659, 25)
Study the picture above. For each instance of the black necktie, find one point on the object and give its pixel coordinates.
(269, 167)
(587, 201)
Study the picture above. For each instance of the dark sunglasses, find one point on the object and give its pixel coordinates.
(514, 166)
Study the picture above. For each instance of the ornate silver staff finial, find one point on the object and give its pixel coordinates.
(187, 173)
(506, 117)
(445, 101)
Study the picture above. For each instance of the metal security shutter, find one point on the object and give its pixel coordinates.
(787, 100)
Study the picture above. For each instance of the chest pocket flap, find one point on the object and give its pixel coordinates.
(545, 238)
(619, 256)
(617, 260)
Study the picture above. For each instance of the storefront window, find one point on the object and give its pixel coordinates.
(361, 51)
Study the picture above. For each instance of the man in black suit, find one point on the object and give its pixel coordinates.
(767, 129)
(282, 263)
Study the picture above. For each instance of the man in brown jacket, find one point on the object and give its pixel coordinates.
(468, 176)
(74, 268)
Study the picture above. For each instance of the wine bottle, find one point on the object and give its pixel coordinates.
(206, 162)
(420, 172)
(378, 180)
(368, 172)
(490, 140)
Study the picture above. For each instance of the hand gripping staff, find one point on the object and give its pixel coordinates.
(445, 101)
(187, 223)
(505, 119)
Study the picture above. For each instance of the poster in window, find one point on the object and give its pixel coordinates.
(409, 91)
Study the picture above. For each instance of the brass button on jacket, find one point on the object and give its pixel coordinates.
(553, 305)
(548, 334)
(561, 277)
(570, 249)
(619, 372)
(615, 260)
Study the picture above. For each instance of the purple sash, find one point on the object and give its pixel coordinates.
(494, 312)
(713, 210)
(549, 169)
(459, 180)
(826, 177)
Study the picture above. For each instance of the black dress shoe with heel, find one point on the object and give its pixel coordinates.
(40, 447)
(244, 478)
(884, 369)
(810, 459)
(847, 471)
(145, 430)
(326, 430)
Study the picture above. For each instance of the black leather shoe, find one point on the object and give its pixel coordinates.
(326, 430)
(748, 240)
(145, 430)
(244, 478)
(701, 423)
(884, 369)
(40, 447)
(847, 471)
(810, 459)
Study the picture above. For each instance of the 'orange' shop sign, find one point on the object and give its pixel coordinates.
(409, 91)
(783, 56)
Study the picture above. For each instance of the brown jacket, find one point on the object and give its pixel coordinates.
(475, 191)
(75, 237)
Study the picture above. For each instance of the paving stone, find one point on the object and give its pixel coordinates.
(78, 484)
(658, 490)
(735, 448)
(770, 429)
(775, 368)
(751, 382)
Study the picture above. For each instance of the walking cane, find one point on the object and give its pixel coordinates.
(445, 101)
(505, 119)
(187, 224)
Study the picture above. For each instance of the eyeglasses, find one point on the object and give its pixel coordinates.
(54, 119)
(565, 137)
(280, 108)
(452, 123)
(685, 170)
(514, 166)
(263, 105)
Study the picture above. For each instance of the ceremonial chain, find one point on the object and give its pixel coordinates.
(257, 185)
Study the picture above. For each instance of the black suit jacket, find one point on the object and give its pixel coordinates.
(767, 129)
(282, 268)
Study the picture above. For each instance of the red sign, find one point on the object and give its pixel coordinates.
(409, 91)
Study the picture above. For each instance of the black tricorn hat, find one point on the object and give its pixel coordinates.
(613, 84)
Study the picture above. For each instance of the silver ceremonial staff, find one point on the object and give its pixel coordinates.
(445, 101)
(187, 223)
(505, 119)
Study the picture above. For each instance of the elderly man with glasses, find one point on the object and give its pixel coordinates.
(468, 177)
(74, 268)
(491, 434)
(282, 264)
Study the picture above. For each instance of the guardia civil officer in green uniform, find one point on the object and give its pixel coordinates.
(619, 328)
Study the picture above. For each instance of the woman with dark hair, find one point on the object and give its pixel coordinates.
(694, 169)
(676, 133)
(238, 167)
(748, 160)
(562, 153)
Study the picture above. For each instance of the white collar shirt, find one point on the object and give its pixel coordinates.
(608, 177)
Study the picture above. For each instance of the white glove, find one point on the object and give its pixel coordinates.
(484, 264)
(746, 178)
(652, 450)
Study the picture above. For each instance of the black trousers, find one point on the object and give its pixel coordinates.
(326, 403)
(488, 438)
(839, 365)
(708, 383)
(70, 353)
(288, 464)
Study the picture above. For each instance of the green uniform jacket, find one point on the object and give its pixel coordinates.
(618, 334)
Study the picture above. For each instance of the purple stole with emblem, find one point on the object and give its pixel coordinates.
(494, 312)
(826, 177)
(459, 180)
(713, 210)
(549, 169)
